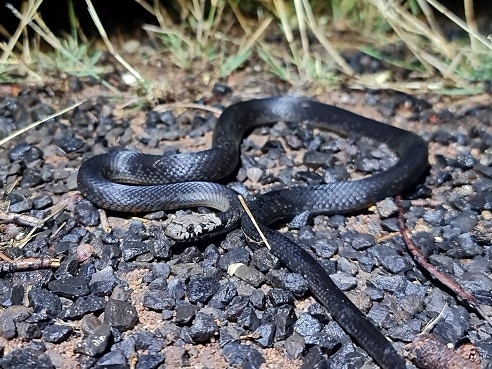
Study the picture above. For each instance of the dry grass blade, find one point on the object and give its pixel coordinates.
(282, 14)
(164, 30)
(301, 21)
(457, 20)
(37, 123)
(146, 6)
(255, 37)
(431, 324)
(429, 16)
(211, 109)
(345, 68)
(309, 65)
(108, 43)
(472, 23)
(25, 19)
(13, 62)
(158, 11)
(253, 220)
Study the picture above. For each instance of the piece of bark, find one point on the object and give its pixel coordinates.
(427, 351)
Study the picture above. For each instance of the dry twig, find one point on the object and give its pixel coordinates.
(20, 219)
(427, 351)
(8, 265)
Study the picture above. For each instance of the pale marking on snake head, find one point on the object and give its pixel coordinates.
(192, 226)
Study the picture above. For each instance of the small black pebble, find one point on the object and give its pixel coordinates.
(120, 314)
(223, 296)
(294, 345)
(26, 358)
(42, 201)
(279, 297)
(69, 143)
(57, 333)
(18, 203)
(113, 359)
(284, 321)
(158, 300)
(84, 305)
(95, 343)
(25, 153)
(265, 334)
(69, 287)
(314, 359)
(221, 89)
(244, 356)
(86, 213)
(306, 325)
(30, 178)
(203, 328)
(248, 319)
(44, 300)
(200, 288)
(185, 313)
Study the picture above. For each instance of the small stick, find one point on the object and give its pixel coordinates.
(427, 351)
(10, 188)
(253, 220)
(424, 202)
(20, 219)
(28, 264)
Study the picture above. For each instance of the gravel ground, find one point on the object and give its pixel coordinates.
(122, 297)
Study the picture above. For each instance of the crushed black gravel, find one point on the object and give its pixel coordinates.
(222, 291)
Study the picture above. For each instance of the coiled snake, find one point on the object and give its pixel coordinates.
(136, 182)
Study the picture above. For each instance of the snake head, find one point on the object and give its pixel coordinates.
(192, 226)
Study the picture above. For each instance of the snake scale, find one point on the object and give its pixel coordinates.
(136, 182)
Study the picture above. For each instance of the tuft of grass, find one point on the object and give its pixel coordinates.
(305, 61)
(73, 58)
(69, 55)
(300, 41)
(199, 39)
(425, 40)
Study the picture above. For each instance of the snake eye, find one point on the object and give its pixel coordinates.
(190, 228)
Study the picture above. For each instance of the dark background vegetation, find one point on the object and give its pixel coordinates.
(128, 15)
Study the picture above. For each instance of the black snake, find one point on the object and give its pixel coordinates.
(136, 182)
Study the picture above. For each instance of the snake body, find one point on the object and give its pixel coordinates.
(130, 181)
